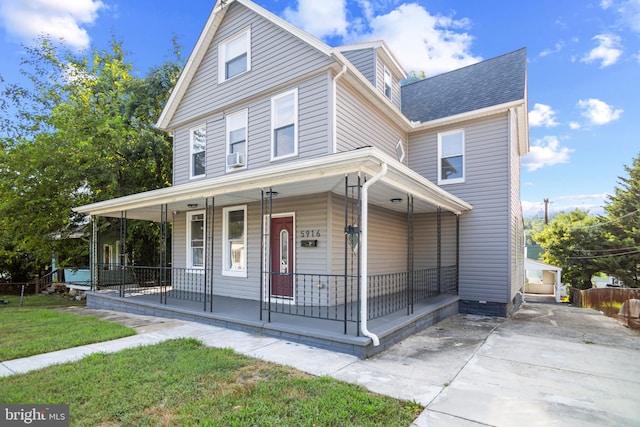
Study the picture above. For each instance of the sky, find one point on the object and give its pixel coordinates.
(583, 64)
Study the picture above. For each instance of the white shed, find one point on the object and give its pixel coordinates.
(549, 278)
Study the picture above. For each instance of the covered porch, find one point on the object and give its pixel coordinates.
(348, 305)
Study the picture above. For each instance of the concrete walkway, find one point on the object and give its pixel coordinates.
(548, 365)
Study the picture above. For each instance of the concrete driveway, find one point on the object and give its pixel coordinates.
(547, 365)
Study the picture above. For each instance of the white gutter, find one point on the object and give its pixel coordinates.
(364, 255)
(335, 108)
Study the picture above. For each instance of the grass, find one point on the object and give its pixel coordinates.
(182, 382)
(38, 328)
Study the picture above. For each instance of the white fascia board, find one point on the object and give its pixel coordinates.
(470, 115)
(377, 45)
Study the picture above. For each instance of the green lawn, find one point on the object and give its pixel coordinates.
(184, 383)
(37, 327)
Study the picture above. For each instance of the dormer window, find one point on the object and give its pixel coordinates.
(387, 83)
(234, 56)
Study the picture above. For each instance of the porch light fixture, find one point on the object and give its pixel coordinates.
(396, 200)
(192, 205)
(271, 193)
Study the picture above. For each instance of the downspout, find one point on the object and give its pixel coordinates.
(364, 291)
(335, 108)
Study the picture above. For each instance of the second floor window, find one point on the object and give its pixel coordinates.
(451, 157)
(198, 151)
(236, 139)
(234, 55)
(284, 125)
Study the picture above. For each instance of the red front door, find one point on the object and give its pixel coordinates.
(282, 257)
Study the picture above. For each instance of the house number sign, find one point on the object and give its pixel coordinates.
(306, 234)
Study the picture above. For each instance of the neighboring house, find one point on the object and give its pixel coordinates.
(308, 179)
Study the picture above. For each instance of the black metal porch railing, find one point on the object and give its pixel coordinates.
(322, 296)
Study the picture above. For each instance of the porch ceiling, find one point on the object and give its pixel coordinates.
(303, 177)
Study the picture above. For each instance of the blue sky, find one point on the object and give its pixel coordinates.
(583, 71)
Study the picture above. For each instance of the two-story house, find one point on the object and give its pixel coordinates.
(316, 198)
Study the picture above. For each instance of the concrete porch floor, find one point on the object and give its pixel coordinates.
(244, 315)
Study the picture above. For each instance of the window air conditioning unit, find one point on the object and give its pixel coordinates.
(235, 160)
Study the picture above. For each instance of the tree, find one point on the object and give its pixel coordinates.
(83, 133)
(622, 258)
(570, 241)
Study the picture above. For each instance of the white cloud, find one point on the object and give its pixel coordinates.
(322, 19)
(421, 41)
(598, 112)
(574, 125)
(606, 4)
(556, 48)
(630, 13)
(607, 52)
(542, 115)
(28, 19)
(546, 152)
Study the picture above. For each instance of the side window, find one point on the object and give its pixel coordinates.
(451, 157)
(234, 55)
(198, 149)
(387, 83)
(284, 125)
(234, 241)
(195, 239)
(236, 124)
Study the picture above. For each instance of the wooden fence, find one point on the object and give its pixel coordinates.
(607, 300)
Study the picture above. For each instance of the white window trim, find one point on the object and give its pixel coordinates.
(464, 158)
(222, 55)
(190, 214)
(400, 151)
(191, 152)
(245, 112)
(274, 99)
(386, 72)
(225, 242)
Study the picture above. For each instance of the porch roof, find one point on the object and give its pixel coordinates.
(290, 179)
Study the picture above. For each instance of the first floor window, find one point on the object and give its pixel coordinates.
(198, 139)
(234, 241)
(451, 157)
(284, 123)
(195, 239)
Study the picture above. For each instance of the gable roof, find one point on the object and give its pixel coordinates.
(492, 82)
(207, 35)
(381, 47)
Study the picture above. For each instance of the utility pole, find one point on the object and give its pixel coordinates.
(546, 211)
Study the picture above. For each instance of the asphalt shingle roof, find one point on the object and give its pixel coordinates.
(484, 84)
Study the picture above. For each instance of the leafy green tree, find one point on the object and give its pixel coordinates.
(622, 256)
(84, 132)
(570, 241)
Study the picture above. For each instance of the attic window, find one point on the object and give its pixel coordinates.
(234, 55)
(387, 83)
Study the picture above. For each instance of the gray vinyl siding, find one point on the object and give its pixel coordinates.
(517, 225)
(273, 52)
(425, 240)
(361, 124)
(395, 82)
(484, 231)
(387, 240)
(313, 131)
(365, 61)
(310, 213)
